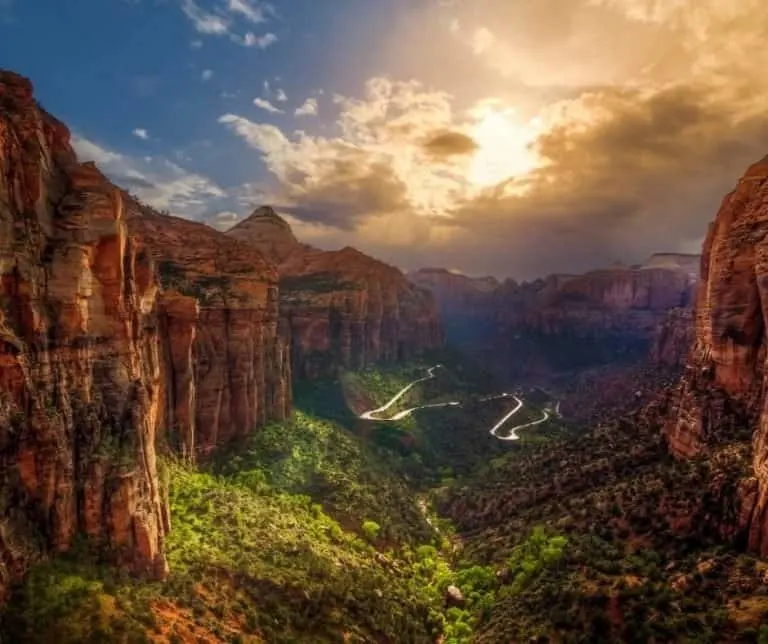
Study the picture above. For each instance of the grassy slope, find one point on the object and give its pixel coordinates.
(317, 530)
(313, 531)
(647, 556)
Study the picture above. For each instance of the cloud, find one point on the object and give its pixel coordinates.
(262, 42)
(267, 106)
(141, 133)
(196, 44)
(252, 11)
(447, 143)
(309, 108)
(203, 21)
(206, 74)
(223, 19)
(157, 181)
(575, 132)
(281, 95)
(224, 220)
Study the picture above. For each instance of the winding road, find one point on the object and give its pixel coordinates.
(511, 434)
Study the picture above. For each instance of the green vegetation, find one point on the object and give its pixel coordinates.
(323, 282)
(326, 528)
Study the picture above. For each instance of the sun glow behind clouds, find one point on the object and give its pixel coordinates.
(504, 145)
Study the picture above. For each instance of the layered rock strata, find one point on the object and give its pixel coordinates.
(343, 309)
(122, 332)
(722, 394)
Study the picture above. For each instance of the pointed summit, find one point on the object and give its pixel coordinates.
(267, 231)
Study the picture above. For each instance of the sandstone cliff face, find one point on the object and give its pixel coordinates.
(226, 364)
(565, 322)
(122, 331)
(342, 308)
(722, 392)
(79, 362)
(673, 337)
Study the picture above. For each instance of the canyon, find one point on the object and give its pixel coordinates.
(127, 334)
(564, 322)
(137, 347)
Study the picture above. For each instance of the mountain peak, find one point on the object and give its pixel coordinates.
(268, 231)
(262, 215)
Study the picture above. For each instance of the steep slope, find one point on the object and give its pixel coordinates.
(722, 392)
(122, 330)
(342, 308)
(79, 361)
(226, 367)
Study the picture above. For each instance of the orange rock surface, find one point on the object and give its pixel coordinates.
(342, 308)
(122, 332)
(80, 392)
(722, 391)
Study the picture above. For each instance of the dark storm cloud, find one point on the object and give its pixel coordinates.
(351, 193)
(446, 144)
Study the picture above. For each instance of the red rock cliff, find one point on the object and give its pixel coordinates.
(722, 392)
(342, 308)
(120, 330)
(80, 369)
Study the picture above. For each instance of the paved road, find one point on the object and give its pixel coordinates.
(368, 415)
(511, 434)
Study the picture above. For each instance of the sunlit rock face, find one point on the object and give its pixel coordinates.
(342, 309)
(80, 392)
(722, 392)
(122, 332)
(226, 360)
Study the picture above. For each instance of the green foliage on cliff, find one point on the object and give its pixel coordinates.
(323, 282)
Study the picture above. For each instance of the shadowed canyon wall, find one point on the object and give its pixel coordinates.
(566, 322)
(722, 393)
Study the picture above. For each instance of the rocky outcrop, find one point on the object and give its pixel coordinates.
(342, 308)
(80, 391)
(673, 337)
(269, 232)
(722, 392)
(226, 363)
(122, 331)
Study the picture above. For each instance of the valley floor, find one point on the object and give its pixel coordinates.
(333, 528)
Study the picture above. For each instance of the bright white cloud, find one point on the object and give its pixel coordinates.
(206, 74)
(141, 133)
(204, 21)
(267, 106)
(309, 108)
(281, 96)
(262, 42)
(157, 181)
(252, 40)
(252, 11)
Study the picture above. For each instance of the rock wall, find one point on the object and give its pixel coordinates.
(673, 337)
(722, 392)
(342, 308)
(565, 322)
(226, 363)
(122, 331)
(80, 391)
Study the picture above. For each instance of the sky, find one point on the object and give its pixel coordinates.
(514, 138)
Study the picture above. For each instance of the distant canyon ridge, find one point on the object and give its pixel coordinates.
(564, 322)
